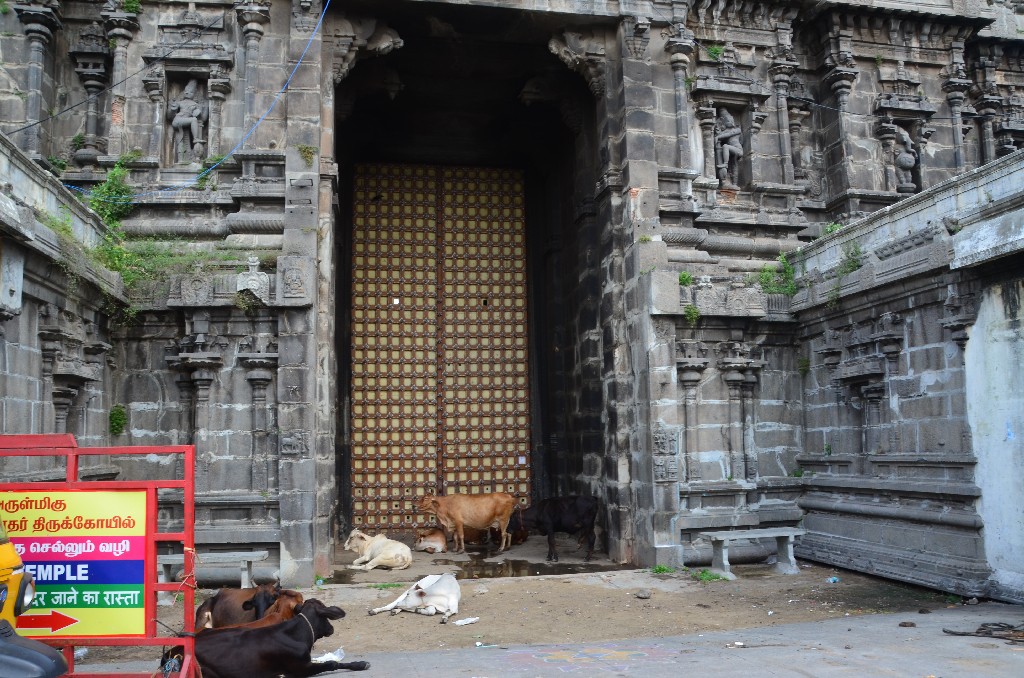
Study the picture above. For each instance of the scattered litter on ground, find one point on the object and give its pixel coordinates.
(467, 620)
(832, 580)
(335, 656)
(481, 645)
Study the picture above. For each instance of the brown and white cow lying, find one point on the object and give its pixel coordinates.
(377, 551)
(455, 512)
(229, 606)
(431, 540)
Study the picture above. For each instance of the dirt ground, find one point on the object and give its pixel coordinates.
(551, 607)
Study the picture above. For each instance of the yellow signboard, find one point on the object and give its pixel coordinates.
(87, 552)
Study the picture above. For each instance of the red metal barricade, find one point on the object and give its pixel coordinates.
(75, 489)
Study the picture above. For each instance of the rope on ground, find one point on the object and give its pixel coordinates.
(1013, 635)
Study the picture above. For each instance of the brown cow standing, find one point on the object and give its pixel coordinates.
(458, 511)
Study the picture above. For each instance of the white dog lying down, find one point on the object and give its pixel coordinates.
(377, 551)
(434, 594)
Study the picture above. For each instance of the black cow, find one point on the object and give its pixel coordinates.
(575, 515)
(271, 651)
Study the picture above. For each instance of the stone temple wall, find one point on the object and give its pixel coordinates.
(702, 140)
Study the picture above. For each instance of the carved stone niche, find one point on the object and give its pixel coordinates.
(903, 128)
(731, 110)
(189, 67)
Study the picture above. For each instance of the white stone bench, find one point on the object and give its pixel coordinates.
(786, 563)
(244, 559)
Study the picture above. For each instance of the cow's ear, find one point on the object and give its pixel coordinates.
(248, 605)
(434, 501)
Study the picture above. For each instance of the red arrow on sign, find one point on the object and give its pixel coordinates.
(54, 621)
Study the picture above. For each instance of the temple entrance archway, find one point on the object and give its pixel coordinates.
(462, 190)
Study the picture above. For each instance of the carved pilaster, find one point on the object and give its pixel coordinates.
(121, 27)
(690, 369)
(681, 45)
(40, 21)
(90, 56)
(252, 17)
(153, 82)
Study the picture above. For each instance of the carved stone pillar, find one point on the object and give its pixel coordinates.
(734, 378)
(781, 73)
(90, 57)
(690, 369)
(680, 46)
(40, 23)
(121, 27)
(252, 16)
(751, 466)
(153, 81)
(219, 88)
(63, 399)
(259, 378)
(706, 119)
(956, 86)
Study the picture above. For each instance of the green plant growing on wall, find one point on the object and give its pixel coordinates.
(692, 314)
(685, 278)
(58, 164)
(114, 199)
(118, 419)
(247, 302)
(308, 153)
(778, 280)
(852, 260)
(878, 59)
(689, 80)
(828, 449)
(831, 227)
(4, 7)
(803, 365)
(132, 6)
(73, 255)
(799, 473)
(715, 51)
(77, 141)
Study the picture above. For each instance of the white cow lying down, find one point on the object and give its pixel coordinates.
(377, 551)
(434, 594)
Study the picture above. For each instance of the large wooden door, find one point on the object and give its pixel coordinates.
(439, 373)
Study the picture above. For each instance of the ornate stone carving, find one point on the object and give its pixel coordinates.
(196, 289)
(357, 37)
(254, 281)
(187, 114)
(666, 464)
(583, 53)
(294, 443)
(905, 160)
(728, 149)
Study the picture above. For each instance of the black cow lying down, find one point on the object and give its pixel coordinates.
(572, 514)
(272, 651)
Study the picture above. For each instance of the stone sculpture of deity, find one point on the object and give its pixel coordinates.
(187, 116)
(905, 159)
(728, 149)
